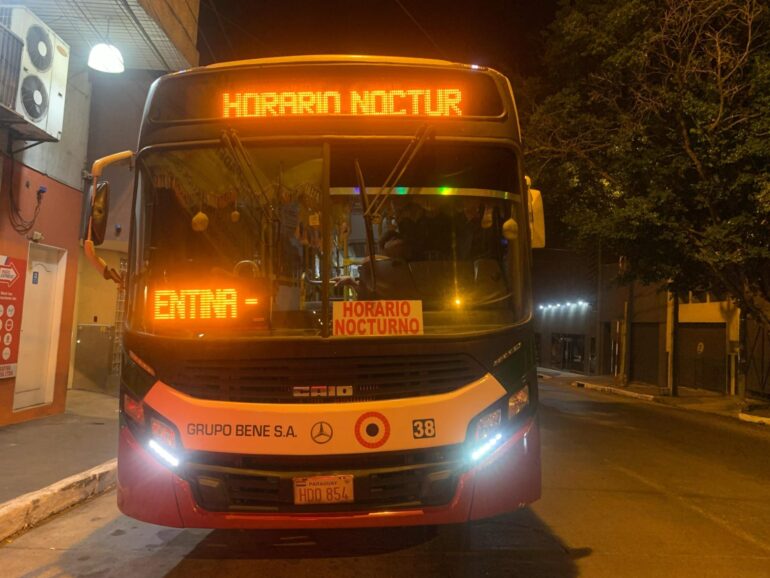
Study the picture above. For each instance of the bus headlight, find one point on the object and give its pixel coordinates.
(160, 451)
(162, 442)
(489, 424)
(159, 436)
(489, 432)
(491, 427)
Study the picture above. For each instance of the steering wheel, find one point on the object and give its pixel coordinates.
(247, 268)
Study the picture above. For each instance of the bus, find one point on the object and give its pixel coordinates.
(329, 314)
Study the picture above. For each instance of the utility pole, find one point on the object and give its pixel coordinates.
(625, 345)
(672, 328)
(598, 354)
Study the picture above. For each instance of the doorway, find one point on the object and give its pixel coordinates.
(40, 326)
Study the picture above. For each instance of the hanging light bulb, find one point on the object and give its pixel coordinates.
(106, 58)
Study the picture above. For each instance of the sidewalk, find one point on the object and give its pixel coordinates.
(754, 411)
(52, 463)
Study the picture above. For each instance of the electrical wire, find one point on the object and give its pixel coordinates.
(21, 225)
(425, 32)
(212, 6)
(142, 32)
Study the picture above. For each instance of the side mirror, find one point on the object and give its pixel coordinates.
(100, 202)
(536, 217)
(100, 210)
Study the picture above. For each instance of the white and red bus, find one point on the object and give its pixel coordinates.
(329, 307)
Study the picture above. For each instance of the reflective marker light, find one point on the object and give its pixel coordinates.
(486, 447)
(518, 401)
(163, 453)
(141, 363)
(134, 409)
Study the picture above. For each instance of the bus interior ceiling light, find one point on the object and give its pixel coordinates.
(106, 58)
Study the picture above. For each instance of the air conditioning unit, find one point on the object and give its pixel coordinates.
(42, 81)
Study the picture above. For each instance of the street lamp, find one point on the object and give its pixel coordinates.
(106, 58)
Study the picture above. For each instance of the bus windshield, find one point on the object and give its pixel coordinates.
(231, 238)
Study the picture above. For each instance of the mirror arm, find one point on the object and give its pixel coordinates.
(88, 245)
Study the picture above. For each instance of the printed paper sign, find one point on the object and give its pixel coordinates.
(377, 318)
(12, 273)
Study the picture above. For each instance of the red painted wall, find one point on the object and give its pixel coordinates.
(59, 222)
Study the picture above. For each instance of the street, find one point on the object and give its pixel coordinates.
(629, 489)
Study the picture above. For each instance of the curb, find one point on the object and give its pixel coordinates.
(615, 390)
(754, 418)
(743, 416)
(32, 508)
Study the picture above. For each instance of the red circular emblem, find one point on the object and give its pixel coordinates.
(372, 430)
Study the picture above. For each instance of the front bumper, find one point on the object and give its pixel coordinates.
(503, 481)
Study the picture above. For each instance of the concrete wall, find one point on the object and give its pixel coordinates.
(96, 295)
(116, 113)
(179, 20)
(65, 160)
(559, 276)
(649, 304)
(713, 312)
(58, 221)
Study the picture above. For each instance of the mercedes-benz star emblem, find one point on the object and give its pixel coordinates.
(321, 432)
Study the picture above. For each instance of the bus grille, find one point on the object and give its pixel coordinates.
(222, 488)
(361, 378)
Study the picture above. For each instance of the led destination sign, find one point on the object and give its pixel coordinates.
(325, 91)
(396, 102)
(183, 304)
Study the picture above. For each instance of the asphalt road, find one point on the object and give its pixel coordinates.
(629, 489)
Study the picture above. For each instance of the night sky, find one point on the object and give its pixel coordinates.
(503, 34)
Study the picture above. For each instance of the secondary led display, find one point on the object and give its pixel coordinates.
(184, 304)
(426, 102)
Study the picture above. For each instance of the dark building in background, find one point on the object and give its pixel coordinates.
(586, 322)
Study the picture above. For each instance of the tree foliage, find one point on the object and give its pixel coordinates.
(652, 132)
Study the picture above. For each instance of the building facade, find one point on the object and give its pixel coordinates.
(56, 117)
(587, 322)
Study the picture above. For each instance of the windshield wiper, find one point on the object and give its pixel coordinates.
(243, 163)
(234, 147)
(423, 134)
(368, 223)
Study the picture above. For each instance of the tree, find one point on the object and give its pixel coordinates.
(653, 135)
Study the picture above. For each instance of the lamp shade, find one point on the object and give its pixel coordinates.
(106, 58)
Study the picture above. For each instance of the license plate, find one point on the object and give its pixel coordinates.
(323, 490)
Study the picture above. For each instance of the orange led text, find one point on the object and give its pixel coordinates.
(412, 102)
(196, 304)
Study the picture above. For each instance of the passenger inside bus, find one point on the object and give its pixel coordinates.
(392, 279)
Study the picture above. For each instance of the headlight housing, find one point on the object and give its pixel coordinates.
(494, 424)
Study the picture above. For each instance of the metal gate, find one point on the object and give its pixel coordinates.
(757, 358)
(701, 356)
